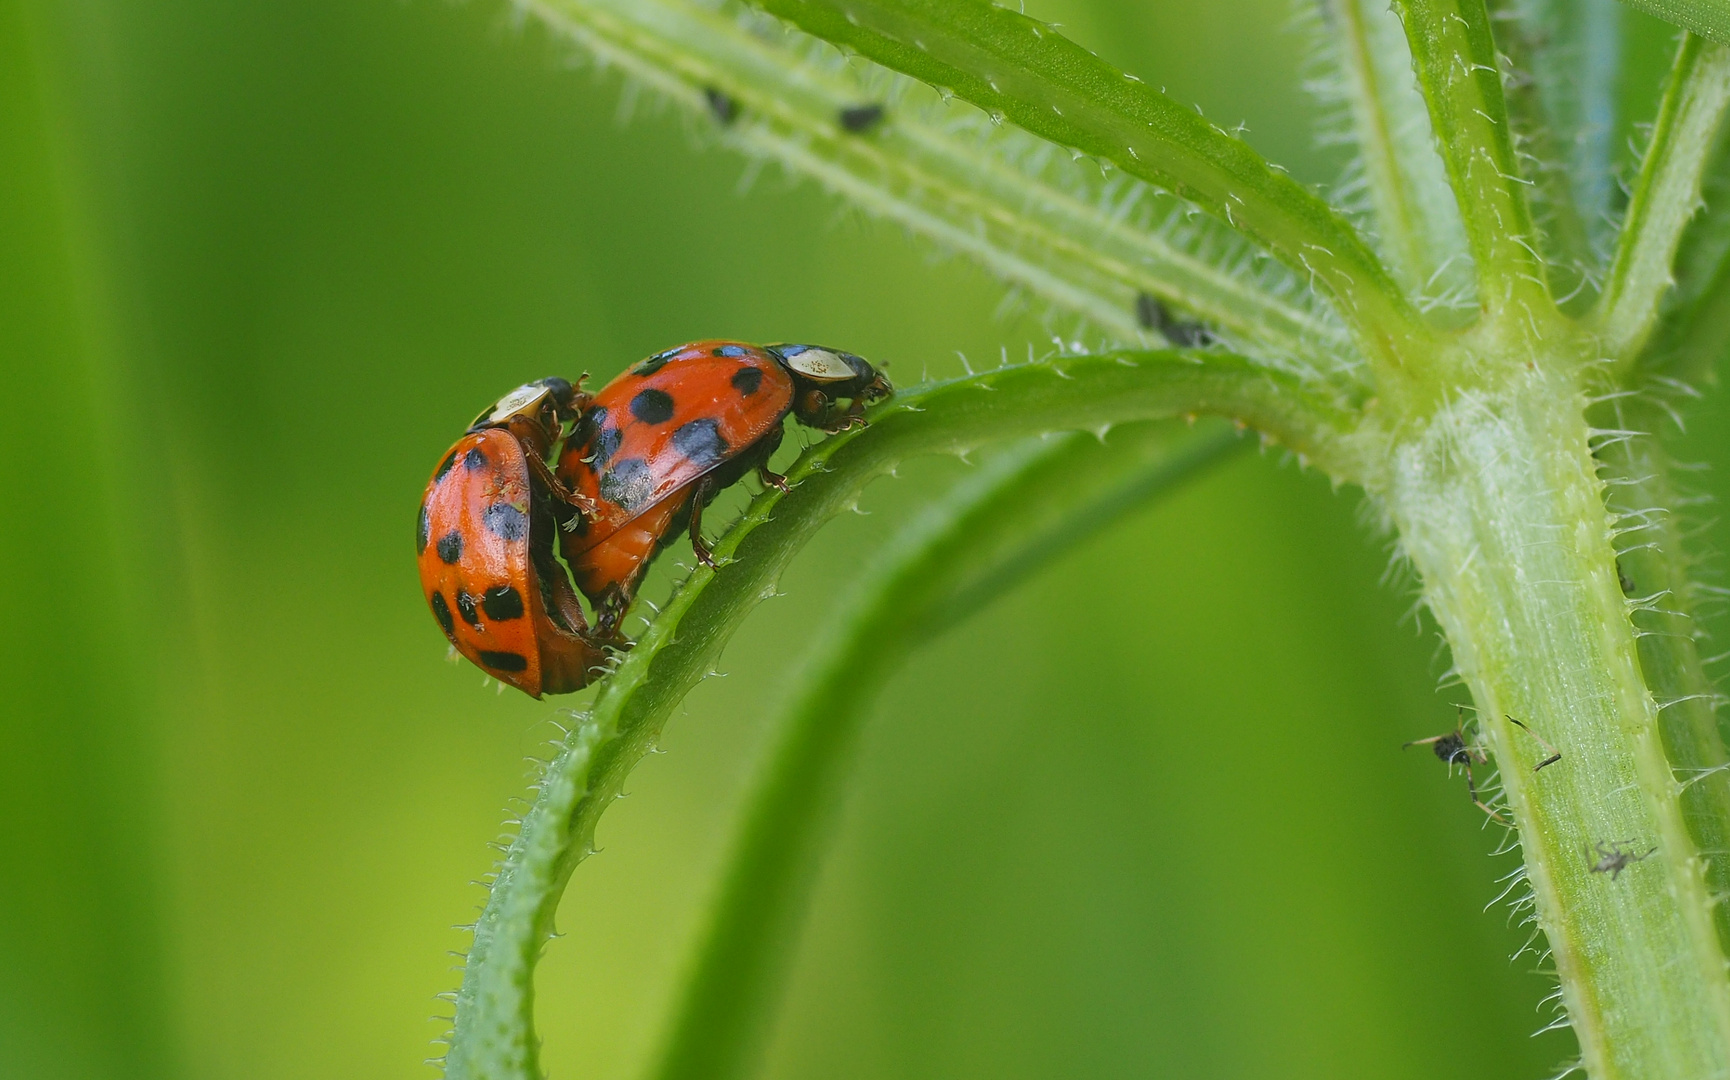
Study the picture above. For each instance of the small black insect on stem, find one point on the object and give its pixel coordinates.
(1614, 856)
(858, 119)
(722, 105)
(1453, 749)
(1150, 314)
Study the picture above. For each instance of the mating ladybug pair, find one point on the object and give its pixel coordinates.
(636, 463)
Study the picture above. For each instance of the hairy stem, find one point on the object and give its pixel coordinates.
(1022, 509)
(494, 1035)
(1026, 214)
(1024, 71)
(1455, 57)
(1500, 508)
(1666, 196)
(1655, 572)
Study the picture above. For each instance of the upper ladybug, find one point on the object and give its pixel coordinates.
(660, 441)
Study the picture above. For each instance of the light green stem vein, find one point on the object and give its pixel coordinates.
(1022, 509)
(494, 1035)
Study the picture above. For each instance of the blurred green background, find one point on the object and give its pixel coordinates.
(259, 262)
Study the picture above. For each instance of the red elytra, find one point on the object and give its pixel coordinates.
(485, 547)
(660, 441)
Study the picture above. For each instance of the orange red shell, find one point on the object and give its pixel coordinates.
(665, 423)
(484, 546)
(648, 436)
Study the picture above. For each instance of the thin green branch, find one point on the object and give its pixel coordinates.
(494, 1034)
(1039, 220)
(1455, 57)
(1416, 220)
(1666, 196)
(1020, 510)
(1024, 71)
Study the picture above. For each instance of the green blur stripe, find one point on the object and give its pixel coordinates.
(82, 994)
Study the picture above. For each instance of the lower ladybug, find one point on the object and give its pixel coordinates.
(657, 444)
(485, 542)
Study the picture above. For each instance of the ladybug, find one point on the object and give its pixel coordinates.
(485, 545)
(657, 444)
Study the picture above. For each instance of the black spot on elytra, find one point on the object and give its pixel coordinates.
(422, 532)
(476, 458)
(467, 609)
(746, 380)
(502, 603)
(451, 547)
(861, 118)
(442, 612)
(445, 466)
(701, 441)
(506, 521)
(722, 105)
(503, 661)
(652, 406)
(606, 445)
(655, 362)
(627, 484)
(729, 350)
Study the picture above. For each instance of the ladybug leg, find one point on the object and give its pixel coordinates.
(700, 496)
(584, 505)
(766, 449)
(610, 610)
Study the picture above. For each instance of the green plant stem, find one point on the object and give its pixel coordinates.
(1499, 506)
(1655, 571)
(1022, 509)
(1455, 58)
(494, 1033)
(989, 193)
(1666, 196)
(1024, 71)
(1416, 220)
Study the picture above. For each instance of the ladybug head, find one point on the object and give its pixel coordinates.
(823, 375)
(548, 402)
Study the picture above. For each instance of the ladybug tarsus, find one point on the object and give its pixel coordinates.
(773, 479)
